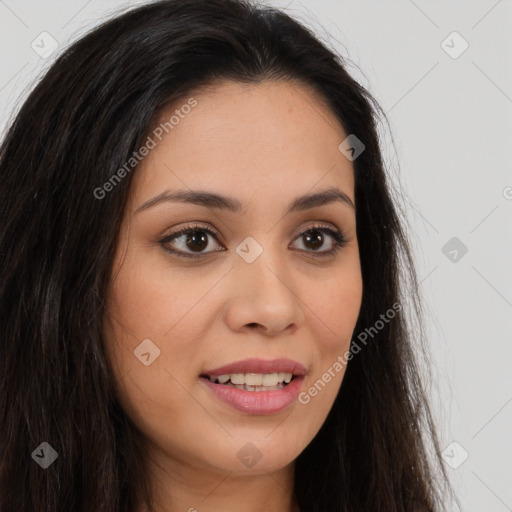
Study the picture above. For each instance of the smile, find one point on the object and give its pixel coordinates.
(256, 386)
(254, 381)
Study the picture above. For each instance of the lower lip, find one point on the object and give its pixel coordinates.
(257, 402)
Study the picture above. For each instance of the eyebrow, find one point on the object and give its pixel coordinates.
(212, 200)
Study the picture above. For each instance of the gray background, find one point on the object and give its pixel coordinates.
(451, 123)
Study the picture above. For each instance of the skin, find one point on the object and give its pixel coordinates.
(264, 144)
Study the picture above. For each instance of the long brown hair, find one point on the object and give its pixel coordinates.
(377, 450)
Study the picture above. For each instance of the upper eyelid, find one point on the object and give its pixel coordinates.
(319, 224)
(339, 235)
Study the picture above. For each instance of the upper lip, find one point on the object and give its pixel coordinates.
(259, 366)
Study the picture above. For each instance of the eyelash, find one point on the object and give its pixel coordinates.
(338, 236)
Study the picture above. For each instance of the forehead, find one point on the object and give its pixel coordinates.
(269, 136)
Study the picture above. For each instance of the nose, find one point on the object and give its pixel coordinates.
(263, 296)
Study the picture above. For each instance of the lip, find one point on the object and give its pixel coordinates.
(260, 366)
(256, 402)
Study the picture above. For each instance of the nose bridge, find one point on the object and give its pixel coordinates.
(267, 277)
(263, 291)
(263, 260)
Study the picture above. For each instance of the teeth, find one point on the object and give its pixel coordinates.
(254, 379)
(255, 388)
(270, 379)
(237, 378)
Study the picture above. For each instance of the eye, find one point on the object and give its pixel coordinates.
(315, 237)
(195, 238)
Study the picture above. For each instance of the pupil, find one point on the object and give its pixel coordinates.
(315, 240)
(197, 238)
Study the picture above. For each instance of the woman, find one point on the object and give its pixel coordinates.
(203, 272)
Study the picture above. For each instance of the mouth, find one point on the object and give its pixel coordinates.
(253, 381)
(256, 374)
(256, 386)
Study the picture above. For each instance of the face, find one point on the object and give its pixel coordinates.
(257, 282)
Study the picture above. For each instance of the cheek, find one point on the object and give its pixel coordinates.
(151, 300)
(145, 305)
(336, 304)
(334, 309)
(156, 303)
